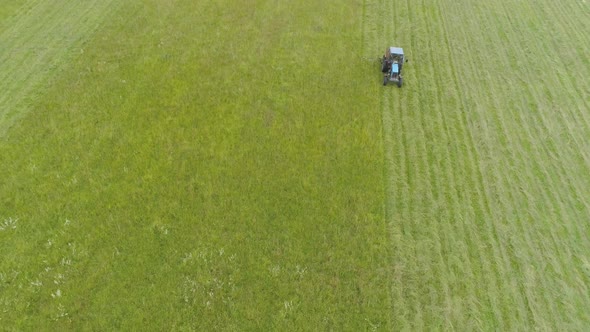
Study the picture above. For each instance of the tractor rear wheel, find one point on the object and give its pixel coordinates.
(385, 80)
(399, 83)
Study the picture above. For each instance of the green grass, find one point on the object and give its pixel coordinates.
(10, 10)
(38, 40)
(189, 170)
(224, 165)
(488, 163)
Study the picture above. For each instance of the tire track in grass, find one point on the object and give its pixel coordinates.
(37, 43)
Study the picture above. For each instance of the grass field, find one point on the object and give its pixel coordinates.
(224, 165)
(488, 163)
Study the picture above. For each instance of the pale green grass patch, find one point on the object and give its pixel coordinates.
(38, 39)
(487, 167)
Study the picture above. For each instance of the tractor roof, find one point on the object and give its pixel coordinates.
(396, 50)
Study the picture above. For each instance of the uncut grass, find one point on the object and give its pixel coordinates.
(201, 166)
(39, 39)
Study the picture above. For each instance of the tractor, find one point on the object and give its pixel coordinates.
(391, 65)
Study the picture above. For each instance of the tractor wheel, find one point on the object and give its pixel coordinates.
(385, 80)
(399, 83)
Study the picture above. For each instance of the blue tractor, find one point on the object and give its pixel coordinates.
(391, 65)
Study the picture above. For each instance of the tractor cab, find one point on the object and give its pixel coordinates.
(391, 65)
(395, 54)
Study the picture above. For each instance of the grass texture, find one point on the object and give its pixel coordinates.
(487, 162)
(189, 170)
(224, 165)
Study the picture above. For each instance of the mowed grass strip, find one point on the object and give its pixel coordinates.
(38, 39)
(489, 174)
(203, 165)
